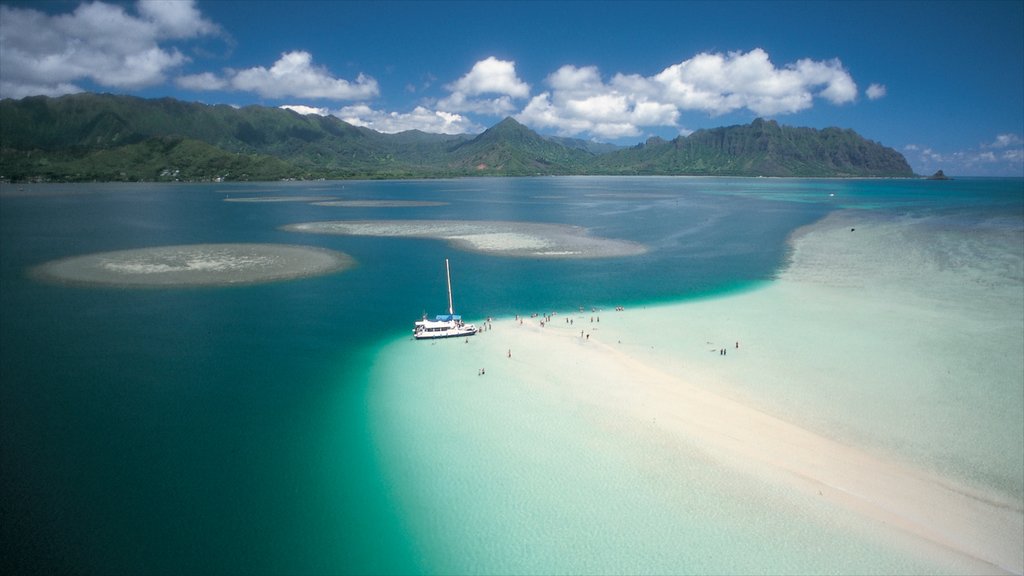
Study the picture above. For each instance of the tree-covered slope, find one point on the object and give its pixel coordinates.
(509, 148)
(761, 148)
(108, 137)
(153, 159)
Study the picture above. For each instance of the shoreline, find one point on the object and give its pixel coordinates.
(830, 383)
(982, 527)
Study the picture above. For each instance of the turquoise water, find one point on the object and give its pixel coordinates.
(212, 430)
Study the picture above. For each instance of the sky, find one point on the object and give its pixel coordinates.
(940, 82)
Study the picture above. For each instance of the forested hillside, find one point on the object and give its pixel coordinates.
(85, 137)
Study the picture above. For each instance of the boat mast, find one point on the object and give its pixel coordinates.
(448, 273)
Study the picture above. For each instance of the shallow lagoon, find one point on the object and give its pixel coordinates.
(229, 429)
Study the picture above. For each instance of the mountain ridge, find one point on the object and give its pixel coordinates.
(84, 137)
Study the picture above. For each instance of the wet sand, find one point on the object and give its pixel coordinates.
(194, 265)
(498, 238)
(879, 376)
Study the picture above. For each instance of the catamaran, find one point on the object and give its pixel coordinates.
(443, 325)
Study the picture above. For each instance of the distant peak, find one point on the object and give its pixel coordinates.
(508, 121)
(508, 125)
(509, 128)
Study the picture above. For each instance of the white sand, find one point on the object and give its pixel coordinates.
(195, 265)
(276, 199)
(380, 203)
(499, 238)
(880, 376)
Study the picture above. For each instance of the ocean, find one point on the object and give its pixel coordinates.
(235, 429)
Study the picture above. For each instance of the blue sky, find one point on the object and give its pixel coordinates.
(942, 82)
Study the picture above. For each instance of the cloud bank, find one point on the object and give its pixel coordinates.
(130, 47)
(580, 101)
(293, 75)
(421, 118)
(97, 42)
(1004, 155)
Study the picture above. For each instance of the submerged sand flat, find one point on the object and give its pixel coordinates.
(381, 203)
(195, 265)
(872, 394)
(277, 199)
(500, 238)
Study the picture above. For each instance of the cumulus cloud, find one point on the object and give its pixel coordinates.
(580, 100)
(721, 83)
(876, 91)
(421, 118)
(97, 42)
(204, 81)
(492, 76)
(1005, 140)
(293, 75)
(306, 110)
(591, 107)
(488, 88)
(178, 19)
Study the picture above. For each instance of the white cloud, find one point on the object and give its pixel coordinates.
(305, 110)
(579, 100)
(836, 84)
(421, 118)
(295, 75)
(876, 91)
(459, 102)
(177, 19)
(1003, 157)
(493, 78)
(97, 42)
(721, 83)
(1016, 158)
(1005, 140)
(204, 81)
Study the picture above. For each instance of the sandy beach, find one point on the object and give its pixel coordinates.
(878, 381)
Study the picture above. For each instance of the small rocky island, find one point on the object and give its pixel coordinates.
(939, 176)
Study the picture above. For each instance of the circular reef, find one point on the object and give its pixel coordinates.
(195, 265)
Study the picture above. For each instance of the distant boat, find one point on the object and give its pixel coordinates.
(443, 325)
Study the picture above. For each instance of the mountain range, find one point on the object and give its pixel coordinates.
(103, 137)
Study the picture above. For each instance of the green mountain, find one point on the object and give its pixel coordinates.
(510, 149)
(106, 137)
(761, 148)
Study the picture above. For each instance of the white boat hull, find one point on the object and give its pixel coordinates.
(443, 326)
(448, 332)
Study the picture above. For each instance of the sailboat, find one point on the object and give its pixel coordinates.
(443, 325)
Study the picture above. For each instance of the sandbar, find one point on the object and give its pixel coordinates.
(499, 238)
(381, 203)
(194, 265)
(276, 199)
(879, 376)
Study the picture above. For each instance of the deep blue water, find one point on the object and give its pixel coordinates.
(199, 430)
